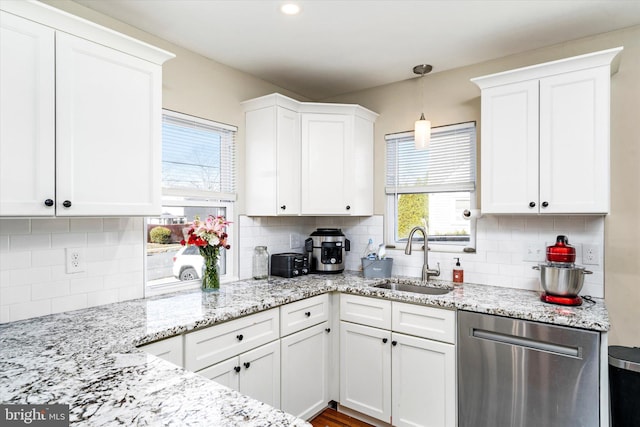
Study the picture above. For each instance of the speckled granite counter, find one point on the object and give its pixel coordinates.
(88, 358)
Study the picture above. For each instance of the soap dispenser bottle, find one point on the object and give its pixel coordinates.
(458, 273)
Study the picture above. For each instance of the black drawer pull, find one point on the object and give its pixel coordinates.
(394, 343)
(240, 337)
(48, 202)
(384, 340)
(532, 204)
(545, 204)
(246, 365)
(236, 368)
(328, 330)
(307, 313)
(66, 204)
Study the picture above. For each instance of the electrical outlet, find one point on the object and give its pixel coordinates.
(75, 260)
(294, 241)
(533, 252)
(590, 254)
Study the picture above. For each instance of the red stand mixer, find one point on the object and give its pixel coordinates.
(560, 278)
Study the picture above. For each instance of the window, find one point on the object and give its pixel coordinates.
(198, 179)
(433, 186)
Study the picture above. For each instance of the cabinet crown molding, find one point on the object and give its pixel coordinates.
(68, 23)
(607, 57)
(308, 107)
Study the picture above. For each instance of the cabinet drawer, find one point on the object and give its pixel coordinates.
(211, 345)
(300, 315)
(367, 311)
(427, 322)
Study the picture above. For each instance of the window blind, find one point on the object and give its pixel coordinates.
(449, 164)
(198, 156)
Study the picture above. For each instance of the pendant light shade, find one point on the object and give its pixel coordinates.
(422, 133)
(422, 128)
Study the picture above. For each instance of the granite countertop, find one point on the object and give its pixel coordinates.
(88, 358)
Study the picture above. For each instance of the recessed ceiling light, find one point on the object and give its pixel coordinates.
(290, 9)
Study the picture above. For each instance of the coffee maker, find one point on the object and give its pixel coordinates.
(326, 250)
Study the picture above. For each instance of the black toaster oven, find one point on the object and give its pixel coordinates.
(289, 264)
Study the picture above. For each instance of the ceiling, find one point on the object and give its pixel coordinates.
(340, 46)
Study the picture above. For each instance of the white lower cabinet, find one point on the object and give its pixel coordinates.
(365, 370)
(255, 373)
(169, 349)
(404, 379)
(305, 371)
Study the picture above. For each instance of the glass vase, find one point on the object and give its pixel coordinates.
(210, 275)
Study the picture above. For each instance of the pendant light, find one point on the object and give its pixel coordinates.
(422, 129)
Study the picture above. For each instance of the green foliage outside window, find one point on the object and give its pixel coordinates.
(412, 210)
(160, 235)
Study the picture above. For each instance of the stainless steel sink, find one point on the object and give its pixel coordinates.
(407, 287)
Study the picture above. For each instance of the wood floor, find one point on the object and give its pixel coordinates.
(332, 418)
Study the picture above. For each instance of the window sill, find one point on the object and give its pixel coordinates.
(177, 285)
(454, 249)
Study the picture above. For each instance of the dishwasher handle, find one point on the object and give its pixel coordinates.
(527, 343)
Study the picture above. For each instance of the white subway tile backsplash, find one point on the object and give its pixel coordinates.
(33, 263)
(50, 225)
(49, 290)
(108, 296)
(69, 240)
(69, 303)
(15, 260)
(29, 309)
(85, 225)
(85, 285)
(15, 294)
(48, 257)
(15, 226)
(29, 242)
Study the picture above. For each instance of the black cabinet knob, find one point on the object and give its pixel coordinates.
(393, 343)
(307, 313)
(545, 204)
(384, 340)
(283, 207)
(236, 368)
(48, 202)
(348, 207)
(66, 204)
(246, 365)
(239, 337)
(328, 330)
(532, 204)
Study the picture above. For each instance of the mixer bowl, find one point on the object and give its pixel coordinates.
(561, 281)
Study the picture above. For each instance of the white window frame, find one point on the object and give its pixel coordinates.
(391, 217)
(196, 198)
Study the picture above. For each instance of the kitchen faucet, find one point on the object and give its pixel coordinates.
(426, 272)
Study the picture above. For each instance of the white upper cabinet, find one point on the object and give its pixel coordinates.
(545, 137)
(27, 117)
(80, 117)
(307, 158)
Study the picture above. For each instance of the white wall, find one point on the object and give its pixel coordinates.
(33, 277)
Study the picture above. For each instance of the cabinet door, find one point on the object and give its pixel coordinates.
(27, 117)
(272, 161)
(305, 371)
(108, 131)
(509, 148)
(365, 370)
(326, 143)
(574, 142)
(169, 349)
(226, 373)
(260, 374)
(288, 163)
(424, 382)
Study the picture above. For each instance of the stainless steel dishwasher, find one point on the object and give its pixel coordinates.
(526, 374)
